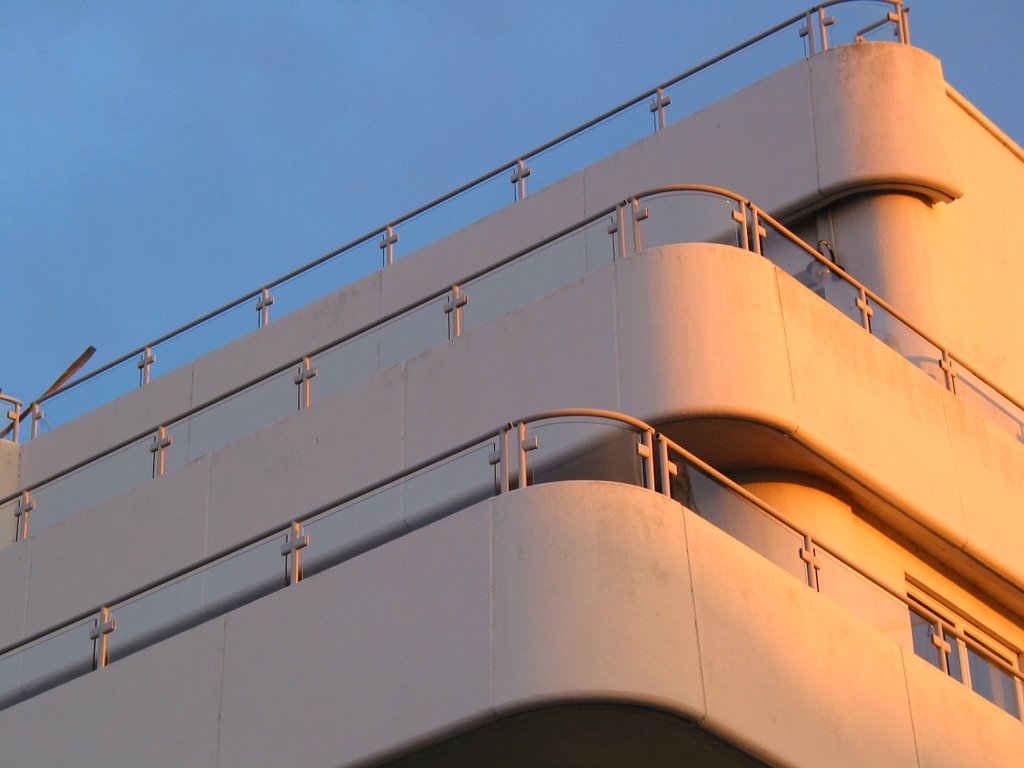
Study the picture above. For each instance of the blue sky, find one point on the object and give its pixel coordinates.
(158, 159)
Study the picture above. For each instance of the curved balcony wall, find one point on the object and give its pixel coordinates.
(723, 144)
(571, 594)
(684, 335)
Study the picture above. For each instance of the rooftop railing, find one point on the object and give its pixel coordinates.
(665, 216)
(555, 446)
(12, 413)
(805, 34)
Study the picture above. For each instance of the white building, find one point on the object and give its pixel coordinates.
(317, 546)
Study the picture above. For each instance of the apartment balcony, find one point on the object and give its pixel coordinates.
(586, 608)
(326, 536)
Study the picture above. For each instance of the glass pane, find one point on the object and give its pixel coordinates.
(413, 333)
(229, 325)
(688, 217)
(57, 658)
(953, 658)
(332, 275)
(863, 598)
(84, 488)
(437, 222)
(353, 529)
(922, 629)
(448, 486)
(8, 522)
(746, 522)
(10, 679)
(795, 261)
(680, 487)
(342, 366)
(842, 295)
(529, 277)
(851, 18)
(244, 576)
(583, 449)
(600, 244)
(993, 682)
(997, 408)
(90, 394)
(156, 615)
(620, 130)
(244, 413)
(736, 72)
(906, 341)
(176, 455)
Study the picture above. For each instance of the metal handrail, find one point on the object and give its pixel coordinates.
(816, 13)
(672, 453)
(705, 188)
(780, 518)
(751, 239)
(899, 316)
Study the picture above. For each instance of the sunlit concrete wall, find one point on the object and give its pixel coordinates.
(681, 332)
(747, 343)
(847, 116)
(560, 594)
(10, 466)
(420, 638)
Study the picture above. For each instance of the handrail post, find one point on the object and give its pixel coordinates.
(948, 371)
(658, 108)
(519, 174)
(387, 243)
(263, 307)
(13, 415)
(645, 450)
(866, 310)
(807, 30)
(304, 375)
(99, 635)
(500, 459)
(161, 442)
(453, 306)
(740, 217)
(525, 445)
(757, 231)
(903, 27)
(667, 469)
(617, 230)
(295, 541)
(22, 513)
(824, 22)
(145, 363)
(809, 555)
(639, 215)
(37, 418)
(821, 23)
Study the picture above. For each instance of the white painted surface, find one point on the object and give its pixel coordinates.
(586, 591)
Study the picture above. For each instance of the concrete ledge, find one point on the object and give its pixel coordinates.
(602, 602)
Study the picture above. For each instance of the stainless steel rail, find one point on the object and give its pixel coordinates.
(815, 26)
(503, 460)
(627, 221)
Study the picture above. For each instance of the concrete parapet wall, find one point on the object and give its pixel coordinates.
(681, 333)
(570, 593)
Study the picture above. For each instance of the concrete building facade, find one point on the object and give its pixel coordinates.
(708, 453)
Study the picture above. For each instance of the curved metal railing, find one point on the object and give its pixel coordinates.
(662, 216)
(378, 247)
(553, 446)
(666, 215)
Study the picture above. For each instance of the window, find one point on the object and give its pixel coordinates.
(966, 653)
